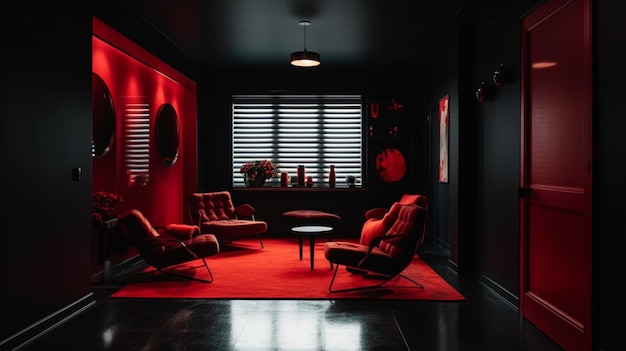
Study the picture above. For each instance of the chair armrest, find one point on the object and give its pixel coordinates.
(182, 231)
(376, 241)
(245, 210)
(376, 213)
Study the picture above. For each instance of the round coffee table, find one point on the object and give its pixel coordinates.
(312, 231)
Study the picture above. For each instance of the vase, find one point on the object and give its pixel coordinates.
(301, 175)
(284, 179)
(332, 177)
(257, 182)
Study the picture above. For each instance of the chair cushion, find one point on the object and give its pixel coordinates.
(212, 206)
(218, 206)
(234, 227)
(350, 255)
(404, 224)
(376, 227)
(196, 205)
(203, 245)
(146, 228)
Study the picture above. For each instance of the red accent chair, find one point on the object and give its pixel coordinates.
(215, 213)
(169, 246)
(386, 255)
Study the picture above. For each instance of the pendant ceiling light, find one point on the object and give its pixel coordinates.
(305, 58)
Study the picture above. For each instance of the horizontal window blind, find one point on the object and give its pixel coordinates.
(316, 131)
(137, 140)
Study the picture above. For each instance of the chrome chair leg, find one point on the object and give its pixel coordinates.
(210, 280)
(376, 286)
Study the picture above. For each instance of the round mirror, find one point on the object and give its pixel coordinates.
(103, 114)
(167, 134)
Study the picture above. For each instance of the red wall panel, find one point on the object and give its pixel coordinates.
(133, 76)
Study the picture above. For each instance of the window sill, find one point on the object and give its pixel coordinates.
(344, 188)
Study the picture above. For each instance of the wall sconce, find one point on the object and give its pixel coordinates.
(486, 92)
(482, 92)
(499, 75)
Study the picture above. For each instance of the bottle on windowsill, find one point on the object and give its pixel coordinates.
(332, 177)
(284, 178)
(301, 175)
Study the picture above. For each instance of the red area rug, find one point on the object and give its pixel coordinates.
(245, 271)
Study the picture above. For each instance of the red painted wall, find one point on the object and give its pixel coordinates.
(132, 74)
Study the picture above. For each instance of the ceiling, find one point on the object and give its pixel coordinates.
(237, 33)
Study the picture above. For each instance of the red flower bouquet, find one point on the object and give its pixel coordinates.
(103, 204)
(257, 172)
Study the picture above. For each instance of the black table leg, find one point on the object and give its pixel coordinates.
(330, 238)
(300, 241)
(312, 248)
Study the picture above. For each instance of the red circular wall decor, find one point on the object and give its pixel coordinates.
(390, 165)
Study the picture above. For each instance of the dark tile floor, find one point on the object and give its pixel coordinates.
(482, 322)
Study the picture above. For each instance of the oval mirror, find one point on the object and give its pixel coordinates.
(167, 134)
(103, 115)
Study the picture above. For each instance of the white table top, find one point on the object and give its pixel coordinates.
(311, 229)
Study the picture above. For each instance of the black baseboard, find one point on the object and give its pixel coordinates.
(504, 294)
(46, 324)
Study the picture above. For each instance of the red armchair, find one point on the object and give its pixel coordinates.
(215, 213)
(169, 246)
(386, 255)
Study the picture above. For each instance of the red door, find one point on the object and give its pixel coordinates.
(556, 172)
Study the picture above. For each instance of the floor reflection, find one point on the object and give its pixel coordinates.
(309, 325)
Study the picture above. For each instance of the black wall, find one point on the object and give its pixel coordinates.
(609, 168)
(485, 202)
(45, 133)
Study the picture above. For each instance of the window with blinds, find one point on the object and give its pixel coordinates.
(316, 131)
(137, 140)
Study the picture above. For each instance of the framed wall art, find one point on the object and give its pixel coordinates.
(444, 130)
(390, 138)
